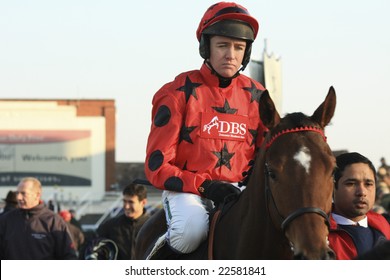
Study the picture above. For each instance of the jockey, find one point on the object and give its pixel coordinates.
(205, 129)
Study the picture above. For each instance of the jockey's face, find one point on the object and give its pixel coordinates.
(226, 55)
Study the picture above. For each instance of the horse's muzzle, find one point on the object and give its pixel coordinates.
(329, 254)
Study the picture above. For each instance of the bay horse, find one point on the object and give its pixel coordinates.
(283, 211)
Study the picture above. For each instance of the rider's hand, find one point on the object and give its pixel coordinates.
(218, 191)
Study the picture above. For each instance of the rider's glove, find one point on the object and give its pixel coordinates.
(218, 191)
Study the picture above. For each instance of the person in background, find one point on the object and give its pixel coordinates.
(123, 229)
(205, 130)
(77, 235)
(354, 228)
(385, 203)
(74, 220)
(50, 205)
(34, 232)
(54, 206)
(10, 202)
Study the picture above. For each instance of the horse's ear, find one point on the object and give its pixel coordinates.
(268, 113)
(325, 111)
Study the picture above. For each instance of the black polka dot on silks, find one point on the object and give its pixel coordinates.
(174, 184)
(163, 116)
(156, 159)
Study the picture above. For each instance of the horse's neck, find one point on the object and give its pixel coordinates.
(253, 205)
(255, 190)
(250, 208)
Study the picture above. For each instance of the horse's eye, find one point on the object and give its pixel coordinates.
(271, 174)
(333, 175)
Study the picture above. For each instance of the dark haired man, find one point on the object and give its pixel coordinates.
(123, 229)
(355, 229)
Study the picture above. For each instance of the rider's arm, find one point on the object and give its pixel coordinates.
(160, 169)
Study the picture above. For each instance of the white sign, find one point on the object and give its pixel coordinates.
(57, 157)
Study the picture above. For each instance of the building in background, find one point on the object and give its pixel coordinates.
(69, 145)
(269, 73)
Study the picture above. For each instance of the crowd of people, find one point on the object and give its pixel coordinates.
(30, 229)
(357, 229)
(194, 166)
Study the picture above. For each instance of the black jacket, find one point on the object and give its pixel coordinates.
(123, 231)
(34, 234)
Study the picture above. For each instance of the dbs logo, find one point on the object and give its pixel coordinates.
(224, 126)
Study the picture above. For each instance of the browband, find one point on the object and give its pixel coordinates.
(296, 129)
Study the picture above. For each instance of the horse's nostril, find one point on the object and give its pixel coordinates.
(299, 256)
(328, 254)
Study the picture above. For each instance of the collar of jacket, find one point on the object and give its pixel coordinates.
(32, 211)
(211, 79)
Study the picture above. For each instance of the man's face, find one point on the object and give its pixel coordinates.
(132, 206)
(27, 195)
(226, 55)
(355, 194)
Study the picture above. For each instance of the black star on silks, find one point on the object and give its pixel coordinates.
(254, 135)
(255, 92)
(225, 109)
(185, 133)
(224, 157)
(185, 168)
(189, 89)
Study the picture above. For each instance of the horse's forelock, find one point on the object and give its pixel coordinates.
(298, 119)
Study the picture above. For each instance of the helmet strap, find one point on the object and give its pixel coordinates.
(223, 81)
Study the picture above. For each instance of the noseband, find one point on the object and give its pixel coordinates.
(268, 193)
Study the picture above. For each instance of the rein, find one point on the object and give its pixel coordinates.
(268, 193)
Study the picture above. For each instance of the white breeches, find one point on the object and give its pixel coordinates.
(187, 220)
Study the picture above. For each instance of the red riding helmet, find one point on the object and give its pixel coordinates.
(230, 20)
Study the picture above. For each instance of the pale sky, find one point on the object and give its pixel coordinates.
(126, 50)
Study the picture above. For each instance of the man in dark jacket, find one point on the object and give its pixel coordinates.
(33, 232)
(123, 229)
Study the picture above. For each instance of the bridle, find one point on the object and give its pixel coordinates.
(268, 193)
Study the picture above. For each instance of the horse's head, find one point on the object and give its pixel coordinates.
(298, 166)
